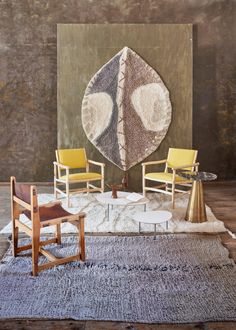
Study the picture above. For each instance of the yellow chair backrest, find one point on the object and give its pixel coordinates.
(74, 158)
(178, 157)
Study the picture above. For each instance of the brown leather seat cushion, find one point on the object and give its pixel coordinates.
(49, 213)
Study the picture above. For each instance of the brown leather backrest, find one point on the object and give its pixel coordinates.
(22, 191)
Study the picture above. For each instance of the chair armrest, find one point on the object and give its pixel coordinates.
(155, 162)
(81, 214)
(95, 163)
(184, 166)
(61, 166)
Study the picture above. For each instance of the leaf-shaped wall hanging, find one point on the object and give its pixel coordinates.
(126, 109)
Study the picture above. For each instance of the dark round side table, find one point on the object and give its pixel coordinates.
(196, 210)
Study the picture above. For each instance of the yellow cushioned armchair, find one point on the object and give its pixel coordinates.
(177, 159)
(76, 160)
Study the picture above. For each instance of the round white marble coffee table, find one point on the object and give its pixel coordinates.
(121, 200)
(153, 217)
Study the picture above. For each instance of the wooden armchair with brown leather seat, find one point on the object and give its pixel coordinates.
(24, 200)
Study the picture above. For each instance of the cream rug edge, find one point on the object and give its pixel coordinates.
(121, 216)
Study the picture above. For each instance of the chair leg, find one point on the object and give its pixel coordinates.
(173, 195)
(35, 250)
(87, 186)
(67, 194)
(143, 179)
(58, 233)
(102, 185)
(144, 190)
(15, 231)
(55, 192)
(81, 238)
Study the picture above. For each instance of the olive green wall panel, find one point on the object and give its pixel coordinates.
(81, 51)
(28, 76)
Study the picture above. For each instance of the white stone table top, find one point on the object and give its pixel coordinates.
(152, 217)
(106, 198)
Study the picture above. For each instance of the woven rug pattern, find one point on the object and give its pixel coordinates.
(174, 279)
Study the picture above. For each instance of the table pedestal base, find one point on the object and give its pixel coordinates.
(196, 211)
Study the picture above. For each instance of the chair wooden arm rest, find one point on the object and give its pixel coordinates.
(81, 214)
(185, 166)
(61, 165)
(95, 163)
(155, 162)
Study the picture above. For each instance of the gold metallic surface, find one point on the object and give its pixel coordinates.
(196, 211)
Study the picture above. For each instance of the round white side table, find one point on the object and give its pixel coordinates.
(106, 198)
(153, 217)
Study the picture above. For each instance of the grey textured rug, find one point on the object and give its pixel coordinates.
(177, 278)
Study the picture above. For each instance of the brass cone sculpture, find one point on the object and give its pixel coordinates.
(196, 211)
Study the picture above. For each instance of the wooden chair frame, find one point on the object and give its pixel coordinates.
(18, 206)
(165, 184)
(58, 168)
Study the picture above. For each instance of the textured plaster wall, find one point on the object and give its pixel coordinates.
(28, 75)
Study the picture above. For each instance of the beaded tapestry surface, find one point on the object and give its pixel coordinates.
(126, 109)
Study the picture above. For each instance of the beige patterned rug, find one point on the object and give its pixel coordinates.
(121, 216)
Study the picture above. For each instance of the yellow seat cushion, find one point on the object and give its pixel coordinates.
(82, 176)
(163, 177)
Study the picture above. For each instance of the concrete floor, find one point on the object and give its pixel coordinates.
(219, 196)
